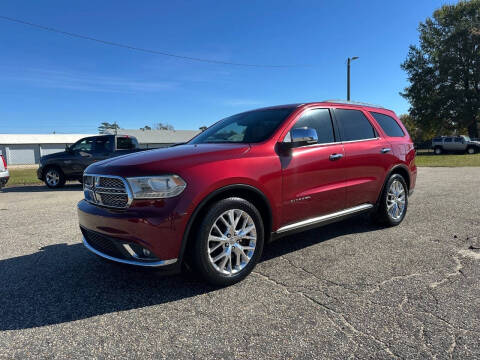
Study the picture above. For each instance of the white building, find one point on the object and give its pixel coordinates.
(22, 149)
(27, 148)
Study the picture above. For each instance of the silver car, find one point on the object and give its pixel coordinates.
(460, 143)
(4, 174)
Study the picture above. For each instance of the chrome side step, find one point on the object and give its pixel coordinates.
(324, 218)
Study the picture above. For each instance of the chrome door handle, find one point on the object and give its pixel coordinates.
(334, 157)
(385, 150)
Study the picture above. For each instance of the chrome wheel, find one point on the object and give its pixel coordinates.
(471, 150)
(52, 177)
(231, 242)
(396, 200)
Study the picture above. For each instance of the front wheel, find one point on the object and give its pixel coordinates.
(394, 201)
(54, 178)
(229, 241)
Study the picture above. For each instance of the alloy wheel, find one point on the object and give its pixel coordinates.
(52, 177)
(231, 242)
(396, 200)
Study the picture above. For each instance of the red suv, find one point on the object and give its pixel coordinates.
(244, 181)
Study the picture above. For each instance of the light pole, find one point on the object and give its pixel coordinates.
(348, 75)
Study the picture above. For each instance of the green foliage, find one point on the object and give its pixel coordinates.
(444, 71)
(105, 126)
(146, 127)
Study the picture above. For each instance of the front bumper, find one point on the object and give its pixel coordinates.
(158, 229)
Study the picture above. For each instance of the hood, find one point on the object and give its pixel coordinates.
(167, 160)
(57, 155)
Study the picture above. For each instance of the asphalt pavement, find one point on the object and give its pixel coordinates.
(347, 290)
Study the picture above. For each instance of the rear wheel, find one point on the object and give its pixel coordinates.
(229, 242)
(394, 201)
(54, 178)
(438, 150)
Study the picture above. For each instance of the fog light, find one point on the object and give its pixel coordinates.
(147, 253)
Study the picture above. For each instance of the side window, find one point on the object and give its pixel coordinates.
(320, 120)
(126, 143)
(102, 145)
(459, 139)
(354, 125)
(449, 140)
(84, 145)
(388, 124)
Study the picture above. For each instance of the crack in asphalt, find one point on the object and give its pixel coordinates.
(457, 271)
(328, 309)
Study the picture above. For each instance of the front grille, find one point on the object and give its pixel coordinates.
(105, 190)
(104, 244)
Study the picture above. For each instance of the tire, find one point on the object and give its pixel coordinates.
(389, 211)
(214, 239)
(438, 150)
(471, 150)
(54, 177)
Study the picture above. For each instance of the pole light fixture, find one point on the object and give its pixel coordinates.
(349, 60)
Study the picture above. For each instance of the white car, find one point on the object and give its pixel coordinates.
(4, 174)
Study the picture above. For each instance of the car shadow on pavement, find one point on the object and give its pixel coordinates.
(41, 188)
(62, 283)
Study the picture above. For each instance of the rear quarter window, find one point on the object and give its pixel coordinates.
(126, 143)
(388, 124)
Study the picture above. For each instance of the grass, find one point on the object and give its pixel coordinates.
(23, 177)
(447, 160)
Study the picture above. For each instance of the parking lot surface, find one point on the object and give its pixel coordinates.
(347, 290)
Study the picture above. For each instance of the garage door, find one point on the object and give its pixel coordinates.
(47, 149)
(22, 154)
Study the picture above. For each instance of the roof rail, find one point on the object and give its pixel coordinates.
(354, 103)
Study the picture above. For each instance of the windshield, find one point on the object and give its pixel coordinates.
(249, 127)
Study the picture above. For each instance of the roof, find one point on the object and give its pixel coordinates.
(158, 136)
(11, 139)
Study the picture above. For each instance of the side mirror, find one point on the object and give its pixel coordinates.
(296, 138)
(303, 136)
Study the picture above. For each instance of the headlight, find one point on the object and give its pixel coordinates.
(152, 187)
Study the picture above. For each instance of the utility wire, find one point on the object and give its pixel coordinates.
(130, 47)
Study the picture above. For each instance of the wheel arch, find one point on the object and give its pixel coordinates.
(247, 192)
(400, 169)
(49, 166)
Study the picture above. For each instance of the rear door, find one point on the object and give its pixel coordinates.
(367, 156)
(312, 180)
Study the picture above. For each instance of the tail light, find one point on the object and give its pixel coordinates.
(4, 162)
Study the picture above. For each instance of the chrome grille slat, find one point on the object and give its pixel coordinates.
(106, 190)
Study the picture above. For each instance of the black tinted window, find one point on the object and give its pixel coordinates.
(126, 143)
(448, 139)
(388, 124)
(84, 145)
(354, 125)
(102, 145)
(318, 119)
(249, 127)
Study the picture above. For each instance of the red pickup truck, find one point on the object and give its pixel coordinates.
(246, 180)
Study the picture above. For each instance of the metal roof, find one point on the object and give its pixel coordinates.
(158, 136)
(12, 139)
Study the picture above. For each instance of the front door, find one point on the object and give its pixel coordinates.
(313, 175)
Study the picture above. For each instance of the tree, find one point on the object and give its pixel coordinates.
(162, 126)
(444, 71)
(105, 126)
(202, 128)
(146, 127)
